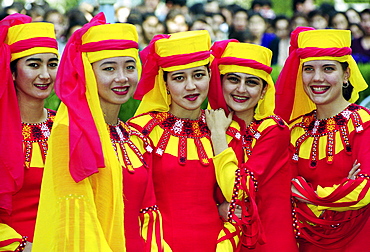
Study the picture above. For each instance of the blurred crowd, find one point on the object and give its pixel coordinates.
(258, 24)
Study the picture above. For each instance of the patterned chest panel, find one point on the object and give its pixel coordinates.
(328, 128)
(254, 131)
(121, 134)
(37, 133)
(182, 129)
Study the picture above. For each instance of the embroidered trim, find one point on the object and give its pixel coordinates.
(147, 209)
(182, 129)
(328, 127)
(37, 133)
(22, 244)
(121, 134)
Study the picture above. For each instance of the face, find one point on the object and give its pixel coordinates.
(365, 23)
(282, 28)
(319, 22)
(35, 75)
(188, 89)
(257, 25)
(323, 81)
(240, 21)
(242, 92)
(116, 78)
(340, 22)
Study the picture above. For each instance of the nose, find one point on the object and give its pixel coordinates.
(241, 88)
(121, 77)
(190, 85)
(44, 74)
(318, 76)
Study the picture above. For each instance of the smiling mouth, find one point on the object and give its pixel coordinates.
(42, 86)
(319, 89)
(191, 97)
(120, 90)
(240, 99)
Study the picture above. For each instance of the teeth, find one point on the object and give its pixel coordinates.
(240, 97)
(120, 89)
(318, 89)
(41, 85)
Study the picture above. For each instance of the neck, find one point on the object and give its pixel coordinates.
(186, 114)
(246, 116)
(111, 114)
(32, 111)
(330, 110)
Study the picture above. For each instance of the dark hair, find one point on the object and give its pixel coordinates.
(346, 91)
(13, 66)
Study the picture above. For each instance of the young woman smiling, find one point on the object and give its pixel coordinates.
(317, 89)
(97, 193)
(174, 84)
(29, 62)
(250, 144)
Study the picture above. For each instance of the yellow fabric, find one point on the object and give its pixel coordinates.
(352, 196)
(226, 246)
(36, 160)
(89, 213)
(31, 30)
(7, 233)
(263, 55)
(333, 38)
(187, 42)
(117, 31)
(306, 146)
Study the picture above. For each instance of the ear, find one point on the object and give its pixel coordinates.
(264, 90)
(347, 74)
(13, 75)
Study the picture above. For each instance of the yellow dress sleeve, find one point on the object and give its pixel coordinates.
(9, 238)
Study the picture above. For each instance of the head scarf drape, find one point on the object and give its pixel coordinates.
(168, 53)
(308, 44)
(230, 56)
(19, 38)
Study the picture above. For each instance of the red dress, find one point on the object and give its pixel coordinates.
(184, 180)
(324, 152)
(258, 159)
(26, 200)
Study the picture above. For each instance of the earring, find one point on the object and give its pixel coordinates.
(168, 91)
(345, 84)
(261, 97)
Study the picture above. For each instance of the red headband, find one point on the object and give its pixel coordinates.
(307, 52)
(110, 44)
(26, 44)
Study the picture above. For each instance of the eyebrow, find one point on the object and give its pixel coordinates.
(115, 62)
(249, 77)
(40, 60)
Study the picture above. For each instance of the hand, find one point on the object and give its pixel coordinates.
(223, 210)
(354, 171)
(28, 247)
(217, 121)
(295, 191)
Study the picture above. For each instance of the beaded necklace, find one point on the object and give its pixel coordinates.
(121, 133)
(37, 133)
(182, 129)
(317, 128)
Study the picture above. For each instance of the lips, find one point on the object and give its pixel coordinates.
(319, 89)
(120, 90)
(42, 86)
(240, 99)
(191, 97)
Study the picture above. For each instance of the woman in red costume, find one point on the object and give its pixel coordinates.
(317, 89)
(97, 192)
(251, 147)
(29, 62)
(173, 86)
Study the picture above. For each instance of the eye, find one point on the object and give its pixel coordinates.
(233, 79)
(110, 69)
(53, 64)
(33, 65)
(199, 75)
(178, 78)
(329, 68)
(307, 69)
(252, 82)
(131, 67)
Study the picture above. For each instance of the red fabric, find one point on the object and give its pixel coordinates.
(286, 82)
(110, 44)
(86, 154)
(215, 95)
(152, 61)
(273, 175)
(11, 163)
(352, 233)
(319, 52)
(185, 197)
(26, 44)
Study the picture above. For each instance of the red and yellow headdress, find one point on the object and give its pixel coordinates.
(308, 44)
(76, 87)
(168, 53)
(230, 56)
(18, 38)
